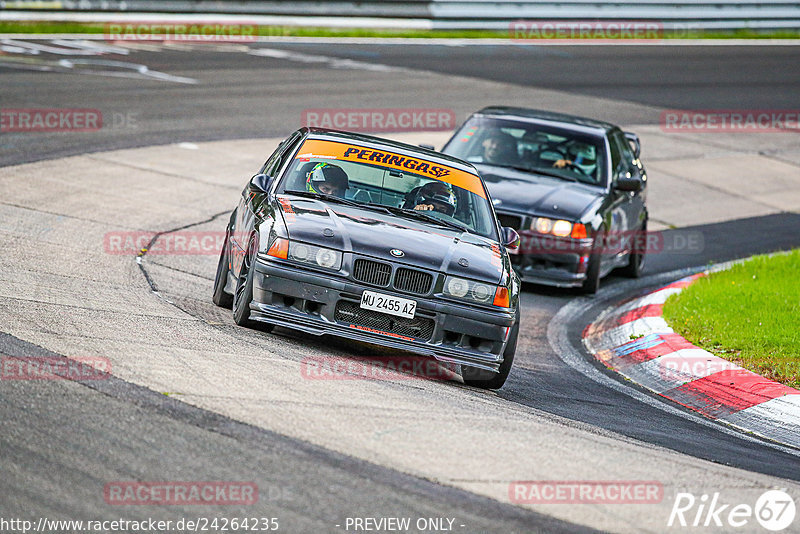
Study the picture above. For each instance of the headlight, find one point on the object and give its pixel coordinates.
(300, 252)
(543, 225)
(468, 290)
(559, 228)
(456, 287)
(481, 292)
(316, 256)
(562, 228)
(327, 258)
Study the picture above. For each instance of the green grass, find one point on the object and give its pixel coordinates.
(749, 314)
(34, 27)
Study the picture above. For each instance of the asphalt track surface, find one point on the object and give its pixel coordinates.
(246, 96)
(49, 434)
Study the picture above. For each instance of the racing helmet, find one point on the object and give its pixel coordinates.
(584, 156)
(437, 194)
(326, 173)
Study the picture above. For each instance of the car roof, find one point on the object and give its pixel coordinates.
(537, 115)
(431, 155)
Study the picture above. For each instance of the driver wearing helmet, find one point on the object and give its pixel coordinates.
(327, 179)
(582, 156)
(436, 196)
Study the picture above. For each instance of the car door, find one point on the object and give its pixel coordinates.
(634, 205)
(245, 211)
(617, 215)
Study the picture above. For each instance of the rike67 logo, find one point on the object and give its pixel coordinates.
(774, 510)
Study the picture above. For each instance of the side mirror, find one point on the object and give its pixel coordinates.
(635, 143)
(634, 184)
(260, 183)
(511, 239)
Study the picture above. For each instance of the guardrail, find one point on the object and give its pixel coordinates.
(465, 13)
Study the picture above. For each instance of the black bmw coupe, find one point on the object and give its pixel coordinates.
(574, 189)
(376, 241)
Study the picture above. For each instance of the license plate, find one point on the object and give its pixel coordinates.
(379, 302)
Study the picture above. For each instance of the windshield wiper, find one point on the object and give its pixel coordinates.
(538, 170)
(328, 198)
(420, 214)
(545, 172)
(380, 207)
(340, 200)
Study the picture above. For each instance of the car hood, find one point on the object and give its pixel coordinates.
(372, 233)
(540, 195)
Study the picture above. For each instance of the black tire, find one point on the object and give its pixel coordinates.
(592, 282)
(480, 378)
(635, 259)
(243, 295)
(221, 297)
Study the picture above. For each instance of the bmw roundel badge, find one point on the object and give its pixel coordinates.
(397, 253)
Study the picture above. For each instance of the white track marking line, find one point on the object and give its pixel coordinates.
(83, 44)
(332, 62)
(60, 50)
(128, 70)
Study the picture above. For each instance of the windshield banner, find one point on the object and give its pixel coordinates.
(332, 150)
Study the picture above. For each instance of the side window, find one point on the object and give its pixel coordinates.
(621, 154)
(272, 159)
(277, 159)
(625, 149)
(616, 156)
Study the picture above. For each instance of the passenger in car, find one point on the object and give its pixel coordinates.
(500, 148)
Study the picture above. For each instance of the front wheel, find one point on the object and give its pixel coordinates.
(592, 282)
(636, 256)
(244, 289)
(481, 378)
(221, 297)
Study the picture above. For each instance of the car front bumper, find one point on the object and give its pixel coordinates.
(320, 304)
(559, 262)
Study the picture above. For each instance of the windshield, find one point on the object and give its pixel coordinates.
(411, 187)
(531, 147)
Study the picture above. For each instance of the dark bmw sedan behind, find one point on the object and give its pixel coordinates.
(574, 188)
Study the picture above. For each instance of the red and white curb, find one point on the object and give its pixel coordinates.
(634, 340)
